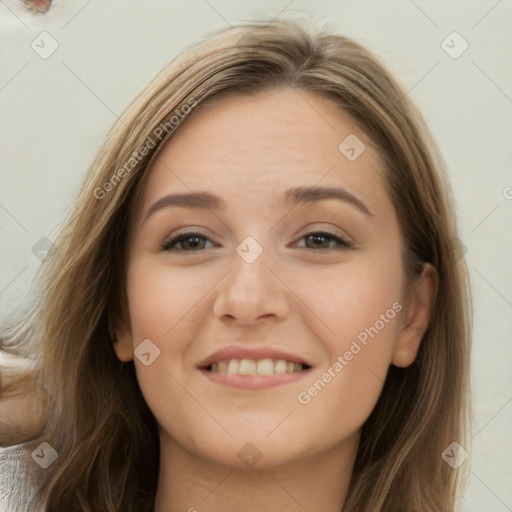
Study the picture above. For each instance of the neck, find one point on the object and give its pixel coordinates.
(190, 483)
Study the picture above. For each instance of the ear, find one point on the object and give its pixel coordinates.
(418, 304)
(121, 337)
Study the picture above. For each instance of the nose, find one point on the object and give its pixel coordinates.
(251, 292)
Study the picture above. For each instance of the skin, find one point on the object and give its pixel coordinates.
(297, 296)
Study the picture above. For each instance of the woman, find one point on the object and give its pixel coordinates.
(209, 337)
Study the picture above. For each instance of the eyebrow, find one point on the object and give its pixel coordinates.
(292, 197)
(312, 194)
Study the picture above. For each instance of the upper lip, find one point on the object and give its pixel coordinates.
(255, 353)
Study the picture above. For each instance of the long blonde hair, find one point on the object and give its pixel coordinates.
(95, 416)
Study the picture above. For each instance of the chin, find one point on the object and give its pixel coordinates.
(251, 456)
(248, 449)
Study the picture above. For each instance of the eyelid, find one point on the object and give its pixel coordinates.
(343, 241)
(185, 232)
(327, 228)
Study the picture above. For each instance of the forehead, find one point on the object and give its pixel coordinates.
(260, 145)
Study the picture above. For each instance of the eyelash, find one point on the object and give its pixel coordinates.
(171, 242)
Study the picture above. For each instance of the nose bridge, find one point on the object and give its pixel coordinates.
(250, 271)
(250, 263)
(251, 289)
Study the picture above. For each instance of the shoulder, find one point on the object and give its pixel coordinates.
(20, 423)
(21, 416)
(15, 487)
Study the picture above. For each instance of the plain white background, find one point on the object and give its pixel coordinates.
(56, 110)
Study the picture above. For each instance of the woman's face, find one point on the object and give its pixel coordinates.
(268, 341)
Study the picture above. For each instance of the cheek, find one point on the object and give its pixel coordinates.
(170, 306)
(338, 399)
(351, 300)
(165, 307)
(361, 308)
(161, 299)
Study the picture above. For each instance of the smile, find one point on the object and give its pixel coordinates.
(253, 367)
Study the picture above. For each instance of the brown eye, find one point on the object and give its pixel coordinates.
(323, 239)
(189, 242)
(196, 241)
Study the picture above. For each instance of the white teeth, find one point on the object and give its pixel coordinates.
(280, 366)
(265, 367)
(233, 367)
(247, 367)
(252, 367)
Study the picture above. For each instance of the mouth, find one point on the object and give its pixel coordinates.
(253, 368)
(248, 367)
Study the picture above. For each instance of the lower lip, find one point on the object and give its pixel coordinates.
(254, 382)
